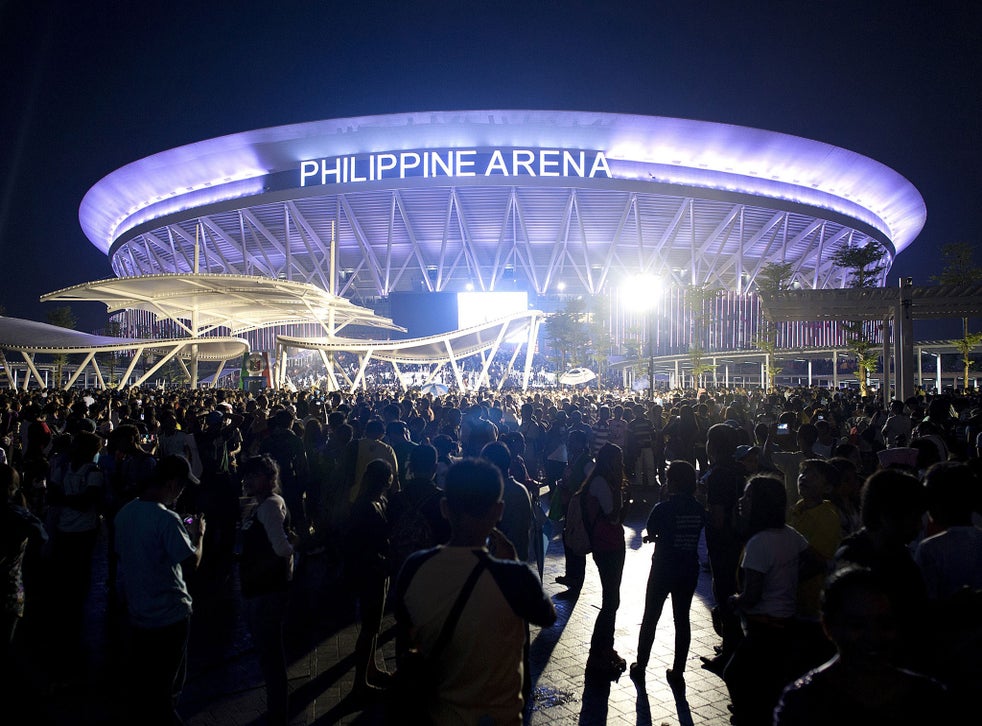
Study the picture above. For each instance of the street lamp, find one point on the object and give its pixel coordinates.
(640, 293)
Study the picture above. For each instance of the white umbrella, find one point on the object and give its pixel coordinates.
(575, 376)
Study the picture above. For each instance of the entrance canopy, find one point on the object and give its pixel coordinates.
(434, 351)
(200, 303)
(29, 338)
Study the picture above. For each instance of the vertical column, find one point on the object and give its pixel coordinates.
(904, 343)
(886, 364)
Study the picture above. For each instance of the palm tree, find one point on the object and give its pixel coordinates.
(865, 266)
(960, 269)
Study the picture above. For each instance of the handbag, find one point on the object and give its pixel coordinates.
(414, 686)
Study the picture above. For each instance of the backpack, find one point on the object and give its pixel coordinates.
(576, 534)
(412, 532)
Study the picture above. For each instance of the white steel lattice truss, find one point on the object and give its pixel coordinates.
(29, 338)
(490, 236)
(691, 201)
(435, 352)
(201, 304)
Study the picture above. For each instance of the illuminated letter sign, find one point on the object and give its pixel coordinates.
(449, 163)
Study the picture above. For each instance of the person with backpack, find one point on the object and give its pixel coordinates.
(474, 642)
(414, 512)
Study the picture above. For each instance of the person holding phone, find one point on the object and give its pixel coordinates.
(789, 462)
(154, 549)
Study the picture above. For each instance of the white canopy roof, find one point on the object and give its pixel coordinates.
(238, 302)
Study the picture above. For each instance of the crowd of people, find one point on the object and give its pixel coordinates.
(841, 535)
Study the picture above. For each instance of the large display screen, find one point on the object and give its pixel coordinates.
(475, 308)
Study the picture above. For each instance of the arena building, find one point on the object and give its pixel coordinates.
(541, 202)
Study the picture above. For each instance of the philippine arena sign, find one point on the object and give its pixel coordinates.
(431, 164)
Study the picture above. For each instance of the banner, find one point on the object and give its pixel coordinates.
(255, 371)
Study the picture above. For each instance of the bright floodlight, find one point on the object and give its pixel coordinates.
(640, 292)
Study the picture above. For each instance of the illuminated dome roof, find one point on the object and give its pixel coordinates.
(499, 200)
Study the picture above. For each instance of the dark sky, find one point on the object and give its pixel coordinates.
(90, 86)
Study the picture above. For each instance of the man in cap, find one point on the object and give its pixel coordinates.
(153, 543)
(748, 457)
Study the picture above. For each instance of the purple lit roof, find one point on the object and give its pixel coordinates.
(702, 155)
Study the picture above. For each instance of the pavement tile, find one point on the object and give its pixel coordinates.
(224, 685)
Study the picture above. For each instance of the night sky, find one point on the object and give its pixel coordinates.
(90, 86)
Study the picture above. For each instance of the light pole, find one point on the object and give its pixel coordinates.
(640, 293)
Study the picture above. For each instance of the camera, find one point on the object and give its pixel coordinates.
(188, 521)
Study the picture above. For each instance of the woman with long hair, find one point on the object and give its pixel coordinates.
(265, 573)
(366, 562)
(603, 503)
(762, 665)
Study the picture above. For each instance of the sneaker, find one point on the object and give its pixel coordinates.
(637, 673)
(674, 678)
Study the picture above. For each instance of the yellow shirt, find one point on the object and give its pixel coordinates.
(821, 527)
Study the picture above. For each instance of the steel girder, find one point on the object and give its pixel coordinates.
(495, 238)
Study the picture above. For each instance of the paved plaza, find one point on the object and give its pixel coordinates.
(225, 686)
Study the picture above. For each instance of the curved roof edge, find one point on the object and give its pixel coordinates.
(428, 349)
(36, 337)
(696, 153)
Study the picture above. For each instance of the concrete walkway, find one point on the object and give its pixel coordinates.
(225, 687)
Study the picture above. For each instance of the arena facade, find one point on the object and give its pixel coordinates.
(547, 202)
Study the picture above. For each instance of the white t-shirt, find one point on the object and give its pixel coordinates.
(774, 553)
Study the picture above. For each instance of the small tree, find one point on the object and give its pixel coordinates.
(960, 269)
(865, 266)
(773, 278)
(113, 330)
(567, 335)
(699, 298)
(63, 317)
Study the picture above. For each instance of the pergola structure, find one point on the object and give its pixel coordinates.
(29, 338)
(434, 352)
(202, 304)
(901, 306)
